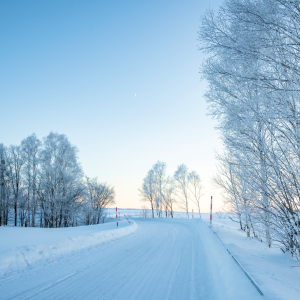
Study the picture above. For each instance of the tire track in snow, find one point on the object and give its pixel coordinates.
(118, 267)
(46, 285)
(175, 274)
(163, 259)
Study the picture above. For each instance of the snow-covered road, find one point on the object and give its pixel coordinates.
(162, 259)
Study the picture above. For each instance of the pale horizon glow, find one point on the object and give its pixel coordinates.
(71, 68)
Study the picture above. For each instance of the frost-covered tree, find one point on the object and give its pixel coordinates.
(5, 202)
(159, 171)
(60, 181)
(14, 167)
(147, 191)
(253, 74)
(196, 189)
(169, 196)
(152, 189)
(41, 183)
(181, 177)
(99, 197)
(30, 149)
(167, 193)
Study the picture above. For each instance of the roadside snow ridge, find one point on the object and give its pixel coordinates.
(22, 257)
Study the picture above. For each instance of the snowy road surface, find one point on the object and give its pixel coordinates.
(162, 259)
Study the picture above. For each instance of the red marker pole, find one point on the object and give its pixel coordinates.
(210, 210)
(192, 213)
(126, 218)
(117, 216)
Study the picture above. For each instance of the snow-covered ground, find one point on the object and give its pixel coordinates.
(146, 259)
(22, 247)
(276, 273)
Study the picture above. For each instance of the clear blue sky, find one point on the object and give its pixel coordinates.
(74, 67)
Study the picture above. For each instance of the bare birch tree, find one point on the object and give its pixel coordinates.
(182, 187)
(196, 189)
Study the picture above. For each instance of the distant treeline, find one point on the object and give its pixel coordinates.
(42, 184)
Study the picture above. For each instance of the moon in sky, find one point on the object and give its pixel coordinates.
(135, 95)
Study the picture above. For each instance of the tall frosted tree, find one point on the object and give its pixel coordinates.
(196, 189)
(159, 171)
(181, 177)
(14, 165)
(253, 74)
(5, 191)
(30, 148)
(60, 181)
(147, 191)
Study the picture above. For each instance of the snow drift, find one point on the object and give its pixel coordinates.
(31, 249)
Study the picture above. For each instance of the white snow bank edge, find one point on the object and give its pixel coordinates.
(23, 257)
(247, 274)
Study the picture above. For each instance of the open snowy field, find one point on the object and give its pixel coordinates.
(147, 259)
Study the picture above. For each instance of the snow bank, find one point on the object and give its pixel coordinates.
(277, 274)
(22, 247)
